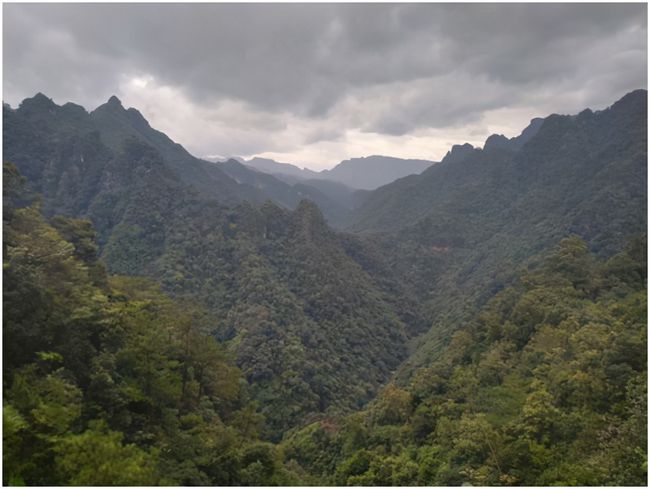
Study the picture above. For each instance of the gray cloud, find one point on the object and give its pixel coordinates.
(303, 74)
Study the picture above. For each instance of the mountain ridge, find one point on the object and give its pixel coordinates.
(293, 297)
(364, 173)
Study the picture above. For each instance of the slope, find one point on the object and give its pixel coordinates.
(545, 385)
(311, 330)
(465, 225)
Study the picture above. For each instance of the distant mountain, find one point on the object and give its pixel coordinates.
(340, 197)
(280, 169)
(357, 173)
(335, 205)
(374, 171)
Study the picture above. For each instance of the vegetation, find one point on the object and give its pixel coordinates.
(547, 385)
(485, 322)
(109, 382)
(459, 233)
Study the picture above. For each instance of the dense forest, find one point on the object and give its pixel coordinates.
(107, 381)
(546, 385)
(172, 321)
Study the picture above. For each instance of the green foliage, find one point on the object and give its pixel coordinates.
(312, 331)
(535, 390)
(97, 457)
(459, 232)
(535, 380)
(110, 382)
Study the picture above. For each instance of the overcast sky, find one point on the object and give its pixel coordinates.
(314, 84)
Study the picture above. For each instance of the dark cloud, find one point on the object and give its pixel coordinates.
(386, 68)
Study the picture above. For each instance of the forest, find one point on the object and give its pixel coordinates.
(484, 322)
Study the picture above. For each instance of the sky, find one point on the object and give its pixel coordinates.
(314, 84)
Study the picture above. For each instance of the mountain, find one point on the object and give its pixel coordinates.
(467, 223)
(546, 385)
(567, 156)
(56, 146)
(82, 147)
(124, 384)
(336, 191)
(311, 330)
(482, 322)
(373, 171)
(280, 169)
(357, 173)
(333, 199)
(341, 184)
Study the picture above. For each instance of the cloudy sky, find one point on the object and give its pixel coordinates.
(313, 84)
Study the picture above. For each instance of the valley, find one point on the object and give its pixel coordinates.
(479, 320)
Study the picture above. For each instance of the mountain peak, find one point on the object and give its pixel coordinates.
(112, 105)
(40, 96)
(458, 152)
(114, 101)
(38, 101)
(634, 101)
(496, 141)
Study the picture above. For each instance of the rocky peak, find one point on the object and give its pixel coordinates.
(496, 141)
(113, 105)
(114, 102)
(38, 102)
(458, 152)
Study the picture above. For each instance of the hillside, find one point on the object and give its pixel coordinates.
(333, 199)
(107, 381)
(311, 330)
(413, 348)
(68, 153)
(546, 385)
(464, 226)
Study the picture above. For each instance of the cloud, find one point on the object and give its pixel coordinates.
(318, 83)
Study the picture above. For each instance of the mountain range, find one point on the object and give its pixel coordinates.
(385, 351)
(366, 173)
(228, 184)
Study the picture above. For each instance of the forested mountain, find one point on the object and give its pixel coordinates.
(106, 380)
(334, 201)
(486, 318)
(311, 330)
(67, 154)
(305, 181)
(568, 160)
(466, 224)
(545, 385)
(63, 150)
